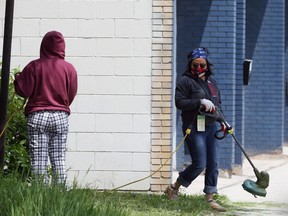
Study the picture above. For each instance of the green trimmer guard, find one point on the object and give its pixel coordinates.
(257, 188)
(253, 188)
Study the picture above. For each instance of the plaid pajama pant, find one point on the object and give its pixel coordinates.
(47, 134)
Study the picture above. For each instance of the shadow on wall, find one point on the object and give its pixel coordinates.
(191, 21)
(254, 20)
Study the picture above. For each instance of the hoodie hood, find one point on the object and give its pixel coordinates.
(52, 45)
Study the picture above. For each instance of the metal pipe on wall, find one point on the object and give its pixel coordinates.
(6, 58)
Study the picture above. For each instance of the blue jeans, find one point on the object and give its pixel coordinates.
(204, 150)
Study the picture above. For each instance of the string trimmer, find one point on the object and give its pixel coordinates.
(255, 188)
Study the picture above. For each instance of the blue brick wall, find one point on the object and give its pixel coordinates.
(233, 31)
(264, 97)
(191, 19)
(211, 24)
(286, 75)
(239, 128)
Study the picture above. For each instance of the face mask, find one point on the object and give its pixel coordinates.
(199, 71)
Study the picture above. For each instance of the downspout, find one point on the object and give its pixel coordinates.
(6, 57)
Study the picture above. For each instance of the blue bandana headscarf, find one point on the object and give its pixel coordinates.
(199, 53)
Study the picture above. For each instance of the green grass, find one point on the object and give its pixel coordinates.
(18, 198)
(140, 204)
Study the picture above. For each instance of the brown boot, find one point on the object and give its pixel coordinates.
(171, 192)
(215, 206)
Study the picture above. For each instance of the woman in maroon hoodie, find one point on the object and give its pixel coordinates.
(50, 84)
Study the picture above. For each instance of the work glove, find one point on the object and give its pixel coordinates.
(208, 105)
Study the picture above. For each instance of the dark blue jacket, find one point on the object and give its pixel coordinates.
(189, 92)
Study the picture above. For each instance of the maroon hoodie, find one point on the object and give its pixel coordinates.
(49, 82)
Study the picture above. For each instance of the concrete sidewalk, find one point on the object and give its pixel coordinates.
(277, 192)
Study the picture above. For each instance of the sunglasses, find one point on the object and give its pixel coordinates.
(197, 65)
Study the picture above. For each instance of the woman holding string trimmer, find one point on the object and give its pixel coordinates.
(197, 88)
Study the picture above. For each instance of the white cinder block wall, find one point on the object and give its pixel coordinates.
(110, 44)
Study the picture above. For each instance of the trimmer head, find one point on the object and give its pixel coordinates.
(253, 188)
(257, 188)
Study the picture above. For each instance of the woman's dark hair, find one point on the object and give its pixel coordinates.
(209, 71)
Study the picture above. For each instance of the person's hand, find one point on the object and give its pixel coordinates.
(16, 74)
(223, 127)
(209, 106)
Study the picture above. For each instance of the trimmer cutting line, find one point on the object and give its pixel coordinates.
(255, 188)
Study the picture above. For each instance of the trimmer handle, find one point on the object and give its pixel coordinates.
(217, 115)
(221, 134)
